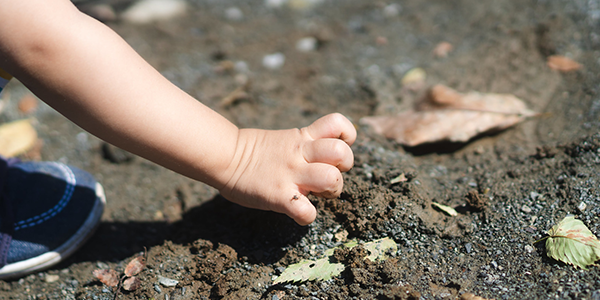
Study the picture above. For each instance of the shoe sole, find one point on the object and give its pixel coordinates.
(51, 258)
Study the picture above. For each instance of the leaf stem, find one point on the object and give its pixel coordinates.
(540, 240)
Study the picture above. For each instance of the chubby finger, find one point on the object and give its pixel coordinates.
(323, 180)
(298, 207)
(333, 126)
(329, 151)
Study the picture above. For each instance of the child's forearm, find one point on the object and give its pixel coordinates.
(88, 73)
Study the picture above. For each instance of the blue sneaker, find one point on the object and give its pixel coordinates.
(47, 211)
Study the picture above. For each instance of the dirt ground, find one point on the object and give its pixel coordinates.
(509, 187)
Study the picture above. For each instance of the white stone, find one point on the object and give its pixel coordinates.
(529, 249)
(581, 206)
(167, 281)
(306, 44)
(303, 4)
(146, 11)
(82, 137)
(234, 14)
(526, 209)
(391, 10)
(51, 278)
(275, 3)
(241, 67)
(534, 195)
(273, 61)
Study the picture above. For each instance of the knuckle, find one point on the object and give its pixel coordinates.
(343, 156)
(339, 150)
(337, 120)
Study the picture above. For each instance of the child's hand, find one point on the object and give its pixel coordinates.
(276, 170)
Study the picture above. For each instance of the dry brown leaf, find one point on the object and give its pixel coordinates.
(131, 283)
(108, 277)
(562, 63)
(17, 137)
(135, 266)
(442, 49)
(451, 116)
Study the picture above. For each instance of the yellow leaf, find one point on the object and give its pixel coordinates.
(447, 209)
(414, 76)
(573, 243)
(17, 137)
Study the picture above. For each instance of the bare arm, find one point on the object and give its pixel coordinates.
(89, 74)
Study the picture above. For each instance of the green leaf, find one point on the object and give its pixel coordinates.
(327, 267)
(377, 249)
(573, 243)
(305, 270)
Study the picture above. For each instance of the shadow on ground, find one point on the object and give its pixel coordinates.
(258, 235)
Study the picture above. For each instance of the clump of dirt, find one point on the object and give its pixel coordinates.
(476, 201)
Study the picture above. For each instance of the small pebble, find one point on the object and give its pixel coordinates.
(581, 206)
(275, 3)
(241, 67)
(273, 61)
(341, 236)
(468, 247)
(116, 155)
(234, 14)
(82, 137)
(529, 249)
(534, 195)
(306, 44)
(157, 288)
(442, 50)
(167, 281)
(526, 209)
(28, 104)
(391, 10)
(102, 266)
(303, 4)
(51, 278)
(146, 11)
